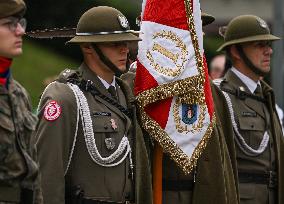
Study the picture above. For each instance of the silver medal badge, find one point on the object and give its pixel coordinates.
(110, 143)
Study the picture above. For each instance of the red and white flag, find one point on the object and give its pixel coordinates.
(172, 86)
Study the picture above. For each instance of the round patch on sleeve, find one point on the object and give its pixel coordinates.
(52, 111)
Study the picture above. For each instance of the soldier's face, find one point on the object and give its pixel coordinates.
(116, 52)
(11, 33)
(259, 53)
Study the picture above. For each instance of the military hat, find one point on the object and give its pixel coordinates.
(103, 24)
(246, 28)
(12, 7)
(207, 19)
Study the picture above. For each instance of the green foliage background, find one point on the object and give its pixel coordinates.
(37, 64)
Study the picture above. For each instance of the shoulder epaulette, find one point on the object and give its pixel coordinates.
(67, 74)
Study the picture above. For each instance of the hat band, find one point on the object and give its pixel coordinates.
(105, 33)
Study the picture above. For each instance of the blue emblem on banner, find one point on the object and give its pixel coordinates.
(189, 113)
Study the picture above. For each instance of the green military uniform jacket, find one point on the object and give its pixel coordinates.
(251, 116)
(18, 169)
(215, 174)
(55, 140)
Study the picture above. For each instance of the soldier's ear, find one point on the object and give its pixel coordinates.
(234, 52)
(87, 48)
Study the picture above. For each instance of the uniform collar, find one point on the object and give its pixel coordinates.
(251, 84)
(106, 84)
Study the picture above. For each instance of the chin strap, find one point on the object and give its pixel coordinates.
(108, 63)
(247, 61)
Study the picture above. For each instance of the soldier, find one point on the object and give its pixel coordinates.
(257, 131)
(91, 149)
(18, 170)
(213, 179)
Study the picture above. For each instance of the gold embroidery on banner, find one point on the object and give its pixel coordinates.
(190, 91)
(165, 52)
(183, 54)
(170, 147)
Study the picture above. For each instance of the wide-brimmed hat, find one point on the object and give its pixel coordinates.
(246, 28)
(103, 24)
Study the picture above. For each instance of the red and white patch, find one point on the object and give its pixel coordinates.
(52, 111)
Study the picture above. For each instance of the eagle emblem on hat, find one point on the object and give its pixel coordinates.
(122, 21)
(262, 23)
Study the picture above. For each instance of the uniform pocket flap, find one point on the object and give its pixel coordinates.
(104, 124)
(247, 190)
(251, 124)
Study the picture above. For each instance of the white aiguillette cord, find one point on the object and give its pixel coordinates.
(83, 110)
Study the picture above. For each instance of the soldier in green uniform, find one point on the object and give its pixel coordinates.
(213, 179)
(18, 170)
(258, 136)
(90, 148)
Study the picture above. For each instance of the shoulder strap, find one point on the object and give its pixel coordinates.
(89, 87)
(238, 92)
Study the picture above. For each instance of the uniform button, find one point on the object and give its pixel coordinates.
(105, 127)
(252, 126)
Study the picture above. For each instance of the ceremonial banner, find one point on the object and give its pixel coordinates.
(172, 86)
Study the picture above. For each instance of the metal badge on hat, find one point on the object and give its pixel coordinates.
(262, 23)
(122, 21)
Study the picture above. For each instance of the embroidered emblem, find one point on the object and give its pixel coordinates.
(193, 119)
(52, 111)
(110, 143)
(113, 124)
(189, 113)
(122, 21)
(179, 59)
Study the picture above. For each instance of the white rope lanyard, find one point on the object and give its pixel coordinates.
(246, 149)
(87, 124)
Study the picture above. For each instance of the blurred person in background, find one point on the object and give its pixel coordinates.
(259, 143)
(18, 169)
(217, 66)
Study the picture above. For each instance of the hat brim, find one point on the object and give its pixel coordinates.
(207, 19)
(105, 38)
(268, 37)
